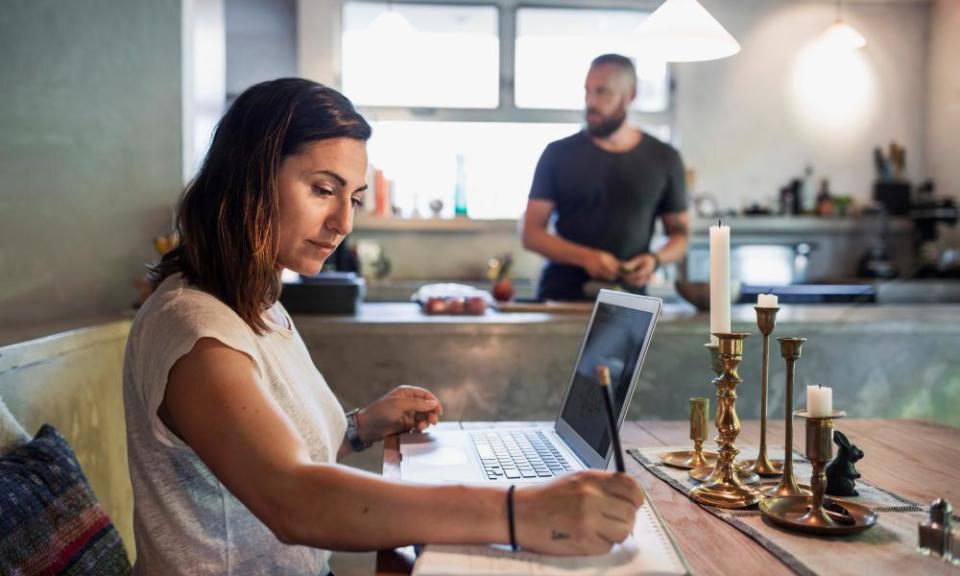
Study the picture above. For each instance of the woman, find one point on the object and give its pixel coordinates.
(233, 434)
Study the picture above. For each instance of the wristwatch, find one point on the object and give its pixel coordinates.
(353, 432)
(656, 260)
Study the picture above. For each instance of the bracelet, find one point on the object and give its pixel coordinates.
(513, 530)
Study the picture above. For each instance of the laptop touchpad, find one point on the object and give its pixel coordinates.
(432, 450)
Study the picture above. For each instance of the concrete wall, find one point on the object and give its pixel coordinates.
(751, 122)
(90, 151)
(943, 134)
(261, 42)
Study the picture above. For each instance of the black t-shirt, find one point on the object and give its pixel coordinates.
(605, 200)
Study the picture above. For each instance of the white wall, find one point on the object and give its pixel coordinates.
(943, 135)
(742, 127)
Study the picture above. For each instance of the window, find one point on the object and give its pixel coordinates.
(554, 48)
(421, 55)
(442, 88)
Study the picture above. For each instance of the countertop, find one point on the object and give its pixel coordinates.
(674, 317)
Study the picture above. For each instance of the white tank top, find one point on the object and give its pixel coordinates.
(185, 520)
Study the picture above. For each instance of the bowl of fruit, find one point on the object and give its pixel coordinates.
(452, 299)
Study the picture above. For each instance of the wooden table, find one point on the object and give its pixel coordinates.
(918, 460)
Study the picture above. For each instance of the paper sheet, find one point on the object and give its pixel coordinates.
(648, 551)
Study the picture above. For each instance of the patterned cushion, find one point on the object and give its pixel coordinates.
(50, 521)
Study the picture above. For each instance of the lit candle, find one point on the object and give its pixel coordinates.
(767, 301)
(819, 401)
(719, 280)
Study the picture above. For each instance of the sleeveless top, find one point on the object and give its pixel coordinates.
(185, 520)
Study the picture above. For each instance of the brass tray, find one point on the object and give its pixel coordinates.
(791, 512)
(684, 458)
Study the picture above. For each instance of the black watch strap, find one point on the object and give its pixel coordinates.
(353, 432)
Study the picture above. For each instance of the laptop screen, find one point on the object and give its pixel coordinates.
(616, 339)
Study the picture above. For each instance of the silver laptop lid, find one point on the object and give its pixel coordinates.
(618, 335)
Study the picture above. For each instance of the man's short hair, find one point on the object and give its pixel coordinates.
(622, 62)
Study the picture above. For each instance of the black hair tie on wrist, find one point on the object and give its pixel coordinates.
(513, 530)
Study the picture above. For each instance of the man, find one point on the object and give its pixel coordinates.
(606, 186)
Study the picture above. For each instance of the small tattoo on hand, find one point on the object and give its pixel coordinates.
(558, 535)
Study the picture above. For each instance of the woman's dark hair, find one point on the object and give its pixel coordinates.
(227, 217)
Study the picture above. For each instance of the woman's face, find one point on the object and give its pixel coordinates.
(319, 189)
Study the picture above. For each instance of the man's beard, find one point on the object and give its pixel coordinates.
(607, 126)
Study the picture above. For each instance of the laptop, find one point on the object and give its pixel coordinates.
(618, 336)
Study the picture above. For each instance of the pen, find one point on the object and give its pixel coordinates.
(603, 378)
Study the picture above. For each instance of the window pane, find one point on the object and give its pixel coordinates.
(422, 160)
(421, 55)
(554, 48)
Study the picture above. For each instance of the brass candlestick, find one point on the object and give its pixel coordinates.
(790, 349)
(699, 408)
(724, 488)
(709, 471)
(815, 513)
(766, 320)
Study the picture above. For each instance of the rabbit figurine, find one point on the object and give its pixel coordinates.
(841, 473)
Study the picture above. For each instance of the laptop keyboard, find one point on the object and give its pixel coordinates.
(518, 454)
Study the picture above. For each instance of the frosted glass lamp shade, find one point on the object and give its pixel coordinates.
(683, 31)
(844, 36)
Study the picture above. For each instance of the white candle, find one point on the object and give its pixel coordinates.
(719, 280)
(819, 401)
(767, 301)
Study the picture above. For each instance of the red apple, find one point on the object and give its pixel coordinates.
(475, 305)
(503, 290)
(435, 306)
(455, 305)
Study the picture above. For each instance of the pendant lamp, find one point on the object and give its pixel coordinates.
(683, 31)
(842, 35)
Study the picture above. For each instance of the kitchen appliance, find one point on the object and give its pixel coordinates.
(928, 212)
(325, 293)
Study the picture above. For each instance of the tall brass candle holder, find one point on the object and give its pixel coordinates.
(790, 349)
(699, 408)
(766, 321)
(724, 488)
(815, 513)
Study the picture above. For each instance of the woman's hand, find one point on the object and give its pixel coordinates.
(403, 409)
(582, 513)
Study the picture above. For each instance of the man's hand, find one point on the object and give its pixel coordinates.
(403, 409)
(638, 270)
(601, 265)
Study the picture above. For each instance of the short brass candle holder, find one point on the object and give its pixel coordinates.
(815, 513)
(791, 350)
(763, 466)
(724, 488)
(699, 407)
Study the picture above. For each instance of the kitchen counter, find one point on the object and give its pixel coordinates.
(882, 361)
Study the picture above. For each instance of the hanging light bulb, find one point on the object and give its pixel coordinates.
(683, 31)
(842, 35)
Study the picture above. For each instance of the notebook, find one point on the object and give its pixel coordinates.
(649, 551)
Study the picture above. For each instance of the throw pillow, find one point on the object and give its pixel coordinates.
(50, 520)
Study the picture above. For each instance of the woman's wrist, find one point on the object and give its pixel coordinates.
(363, 427)
(355, 434)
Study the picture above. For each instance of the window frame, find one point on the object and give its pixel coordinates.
(507, 111)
